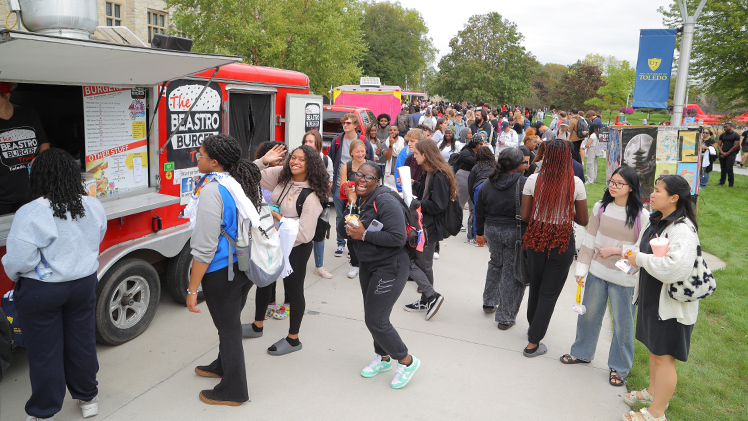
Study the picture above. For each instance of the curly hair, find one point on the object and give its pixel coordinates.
(509, 159)
(433, 161)
(57, 177)
(484, 156)
(552, 217)
(226, 150)
(316, 173)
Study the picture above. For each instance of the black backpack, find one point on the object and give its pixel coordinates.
(453, 161)
(6, 343)
(582, 126)
(323, 227)
(452, 219)
(414, 232)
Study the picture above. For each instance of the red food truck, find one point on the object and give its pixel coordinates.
(134, 117)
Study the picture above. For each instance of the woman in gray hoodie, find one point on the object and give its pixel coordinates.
(52, 252)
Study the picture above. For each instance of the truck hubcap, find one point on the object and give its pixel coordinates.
(129, 302)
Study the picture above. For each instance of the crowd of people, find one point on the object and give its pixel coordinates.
(522, 182)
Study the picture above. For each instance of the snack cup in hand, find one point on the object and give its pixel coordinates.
(579, 308)
(659, 246)
(352, 220)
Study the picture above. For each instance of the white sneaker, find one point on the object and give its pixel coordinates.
(30, 418)
(89, 409)
(322, 272)
(353, 272)
(436, 256)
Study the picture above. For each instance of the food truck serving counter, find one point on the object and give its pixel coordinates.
(134, 118)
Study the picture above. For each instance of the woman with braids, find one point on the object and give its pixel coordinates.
(496, 224)
(229, 184)
(552, 200)
(52, 252)
(303, 173)
(437, 189)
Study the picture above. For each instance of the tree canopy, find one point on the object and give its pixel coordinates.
(619, 82)
(719, 59)
(321, 38)
(399, 48)
(577, 86)
(487, 62)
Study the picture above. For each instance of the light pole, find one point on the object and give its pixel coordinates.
(681, 81)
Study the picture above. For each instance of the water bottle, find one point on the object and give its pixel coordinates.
(43, 270)
(242, 255)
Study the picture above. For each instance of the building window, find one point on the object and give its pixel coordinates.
(113, 14)
(156, 23)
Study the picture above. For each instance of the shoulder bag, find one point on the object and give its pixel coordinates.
(521, 272)
(699, 285)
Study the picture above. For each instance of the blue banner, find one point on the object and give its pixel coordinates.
(653, 68)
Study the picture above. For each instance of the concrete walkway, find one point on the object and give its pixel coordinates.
(470, 369)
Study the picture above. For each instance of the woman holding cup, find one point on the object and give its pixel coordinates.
(615, 222)
(666, 250)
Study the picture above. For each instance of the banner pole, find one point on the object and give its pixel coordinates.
(681, 82)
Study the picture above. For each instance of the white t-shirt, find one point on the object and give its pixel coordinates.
(580, 193)
(437, 136)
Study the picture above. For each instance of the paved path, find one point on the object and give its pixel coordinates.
(470, 369)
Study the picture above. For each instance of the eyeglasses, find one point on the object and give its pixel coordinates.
(368, 178)
(200, 156)
(616, 184)
(346, 123)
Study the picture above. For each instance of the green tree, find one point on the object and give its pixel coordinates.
(399, 48)
(619, 82)
(719, 60)
(544, 85)
(321, 38)
(577, 86)
(487, 62)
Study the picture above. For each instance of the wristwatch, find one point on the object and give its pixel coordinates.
(191, 293)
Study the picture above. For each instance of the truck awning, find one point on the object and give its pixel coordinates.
(34, 58)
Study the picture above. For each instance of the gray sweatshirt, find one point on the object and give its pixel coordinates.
(70, 246)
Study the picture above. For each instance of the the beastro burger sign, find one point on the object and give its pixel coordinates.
(204, 120)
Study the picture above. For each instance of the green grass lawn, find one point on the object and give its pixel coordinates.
(635, 119)
(713, 384)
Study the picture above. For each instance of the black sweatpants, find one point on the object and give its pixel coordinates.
(548, 272)
(726, 169)
(382, 282)
(225, 300)
(294, 286)
(58, 324)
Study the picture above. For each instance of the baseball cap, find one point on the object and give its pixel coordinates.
(5, 87)
(504, 125)
(460, 113)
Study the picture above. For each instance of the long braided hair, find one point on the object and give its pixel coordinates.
(316, 172)
(226, 150)
(552, 217)
(57, 177)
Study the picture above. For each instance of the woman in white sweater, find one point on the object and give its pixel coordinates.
(663, 324)
(615, 222)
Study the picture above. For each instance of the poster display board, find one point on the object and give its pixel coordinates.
(613, 153)
(116, 146)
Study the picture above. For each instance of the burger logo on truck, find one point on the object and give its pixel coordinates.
(203, 121)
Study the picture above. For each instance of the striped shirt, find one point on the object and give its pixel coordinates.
(608, 231)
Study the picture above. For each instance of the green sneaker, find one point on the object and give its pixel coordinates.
(377, 366)
(404, 373)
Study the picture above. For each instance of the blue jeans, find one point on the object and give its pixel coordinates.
(319, 253)
(705, 178)
(338, 214)
(597, 292)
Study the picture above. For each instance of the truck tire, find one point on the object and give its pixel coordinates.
(178, 276)
(126, 301)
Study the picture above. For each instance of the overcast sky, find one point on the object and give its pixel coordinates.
(555, 31)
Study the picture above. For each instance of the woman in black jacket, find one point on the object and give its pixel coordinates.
(436, 190)
(484, 166)
(496, 223)
(383, 271)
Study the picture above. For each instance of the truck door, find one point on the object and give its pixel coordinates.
(251, 118)
(303, 113)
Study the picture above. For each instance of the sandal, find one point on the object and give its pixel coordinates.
(615, 380)
(632, 400)
(633, 416)
(569, 359)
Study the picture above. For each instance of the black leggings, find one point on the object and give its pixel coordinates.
(294, 286)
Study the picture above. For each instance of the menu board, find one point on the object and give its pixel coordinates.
(116, 144)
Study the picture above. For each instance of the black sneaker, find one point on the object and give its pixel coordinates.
(417, 305)
(205, 371)
(433, 304)
(339, 251)
(489, 309)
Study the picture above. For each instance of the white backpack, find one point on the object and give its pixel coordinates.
(258, 248)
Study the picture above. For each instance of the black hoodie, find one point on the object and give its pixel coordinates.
(496, 202)
(383, 207)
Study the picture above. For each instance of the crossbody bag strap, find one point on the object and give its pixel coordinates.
(517, 207)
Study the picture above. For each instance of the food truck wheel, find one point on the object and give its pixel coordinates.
(126, 301)
(178, 276)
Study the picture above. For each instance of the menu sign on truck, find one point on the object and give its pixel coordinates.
(116, 145)
(203, 121)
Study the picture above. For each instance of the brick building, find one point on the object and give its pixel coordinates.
(142, 17)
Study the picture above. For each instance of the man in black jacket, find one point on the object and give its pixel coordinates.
(481, 123)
